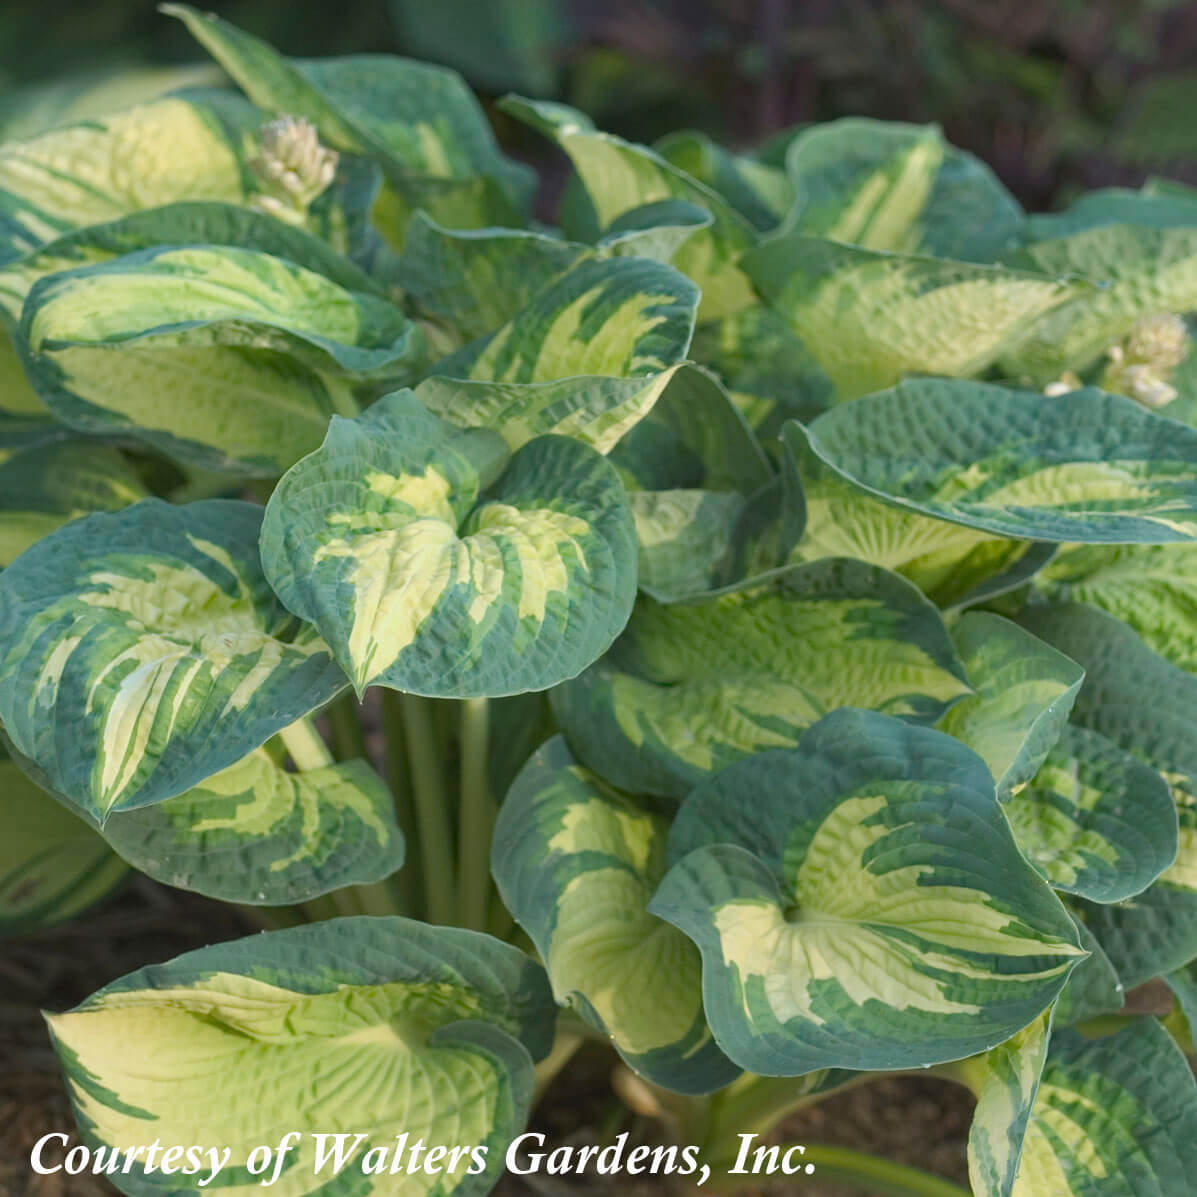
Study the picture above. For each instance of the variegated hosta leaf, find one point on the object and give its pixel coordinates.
(1112, 1117)
(597, 411)
(1142, 272)
(1087, 466)
(47, 486)
(618, 317)
(141, 651)
(245, 344)
(434, 563)
(1094, 820)
(1093, 986)
(1145, 706)
(951, 564)
(258, 834)
(103, 168)
(870, 317)
(367, 1026)
(619, 176)
(193, 223)
(893, 186)
(218, 295)
(690, 688)
(859, 902)
(762, 194)
(52, 865)
(1024, 693)
(421, 123)
(476, 280)
(1153, 588)
(576, 863)
(1005, 1080)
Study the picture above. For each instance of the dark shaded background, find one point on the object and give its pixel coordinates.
(1057, 95)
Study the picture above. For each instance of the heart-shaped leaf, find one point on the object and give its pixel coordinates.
(128, 638)
(576, 864)
(371, 1026)
(870, 317)
(893, 186)
(1094, 820)
(52, 865)
(434, 563)
(1145, 706)
(859, 902)
(1087, 466)
(1112, 1117)
(690, 688)
(1024, 693)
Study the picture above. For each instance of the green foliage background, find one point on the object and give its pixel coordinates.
(1056, 95)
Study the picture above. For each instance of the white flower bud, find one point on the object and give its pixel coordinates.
(293, 168)
(1142, 366)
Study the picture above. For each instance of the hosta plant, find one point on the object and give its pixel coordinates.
(750, 622)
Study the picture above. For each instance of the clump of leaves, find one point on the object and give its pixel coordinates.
(776, 682)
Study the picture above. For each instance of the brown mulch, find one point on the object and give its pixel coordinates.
(917, 1120)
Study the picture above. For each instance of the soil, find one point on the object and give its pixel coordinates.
(916, 1120)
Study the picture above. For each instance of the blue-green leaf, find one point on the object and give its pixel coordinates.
(689, 688)
(435, 562)
(374, 1026)
(870, 317)
(860, 902)
(576, 863)
(1145, 706)
(1087, 466)
(141, 651)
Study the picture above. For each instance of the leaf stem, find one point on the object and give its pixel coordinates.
(565, 1045)
(349, 740)
(431, 808)
(751, 1105)
(476, 816)
(305, 747)
(409, 880)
